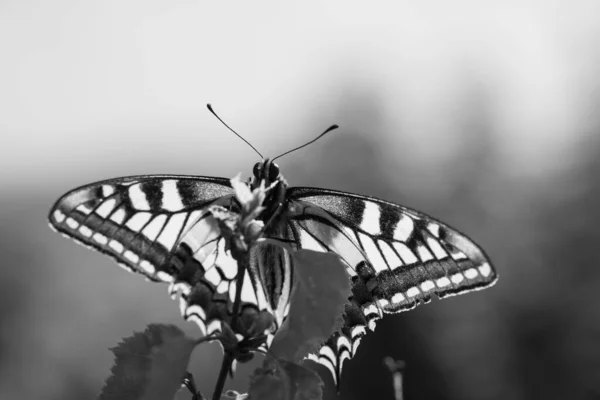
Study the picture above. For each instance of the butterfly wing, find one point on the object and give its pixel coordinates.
(208, 278)
(137, 220)
(397, 258)
(160, 226)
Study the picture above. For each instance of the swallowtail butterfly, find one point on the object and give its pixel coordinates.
(159, 226)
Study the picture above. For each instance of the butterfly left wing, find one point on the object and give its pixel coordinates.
(161, 227)
(397, 258)
(138, 220)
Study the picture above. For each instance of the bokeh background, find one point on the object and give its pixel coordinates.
(484, 114)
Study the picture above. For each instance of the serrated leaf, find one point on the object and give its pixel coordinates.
(233, 395)
(321, 291)
(149, 365)
(279, 379)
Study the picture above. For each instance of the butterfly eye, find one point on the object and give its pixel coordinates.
(273, 172)
(256, 170)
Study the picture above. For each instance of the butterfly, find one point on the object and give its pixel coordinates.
(160, 226)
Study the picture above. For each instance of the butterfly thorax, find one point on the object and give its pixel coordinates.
(267, 172)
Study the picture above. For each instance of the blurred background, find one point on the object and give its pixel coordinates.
(483, 114)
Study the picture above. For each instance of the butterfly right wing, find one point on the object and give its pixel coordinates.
(397, 258)
(138, 220)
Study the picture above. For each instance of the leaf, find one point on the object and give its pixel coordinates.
(321, 291)
(233, 395)
(149, 365)
(279, 379)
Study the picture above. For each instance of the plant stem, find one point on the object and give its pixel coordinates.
(243, 264)
(243, 261)
(225, 366)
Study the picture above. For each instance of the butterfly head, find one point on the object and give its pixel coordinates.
(267, 172)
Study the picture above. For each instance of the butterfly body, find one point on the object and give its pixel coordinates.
(160, 226)
(267, 173)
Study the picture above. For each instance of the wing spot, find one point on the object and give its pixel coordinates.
(355, 345)
(471, 273)
(370, 309)
(85, 231)
(357, 332)
(214, 326)
(138, 221)
(138, 198)
(457, 278)
(171, 199)
(434, 229)
(370, 218)
(372, 324)
(424, 254)
(326, 352)
(195, 310)
(83, 209)
(485, 269)
(182, 305)
(134, 258)
(100, 238)
(398, 298)
(345, 355)
(165, 277)
(343, 342)
(147, 267)
(199, 322)
(72, 223)
(404, 228)
(427, 286)
(226, 263)
(118, 216)
(327, 363)
(182, 287)
(405, 254)
(413, 291)
(223, 287)
(212, 275)
(116, 246)
(437, 248)
(248, 294)
(443, 282)
(106, 208)
(382, 303)
(107, 190)
(59, 216)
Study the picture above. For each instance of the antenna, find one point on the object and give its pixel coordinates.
(332, 127)
(228, 127)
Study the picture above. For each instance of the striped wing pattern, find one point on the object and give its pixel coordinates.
(397, 258)
(137, 220)
(159, 226)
